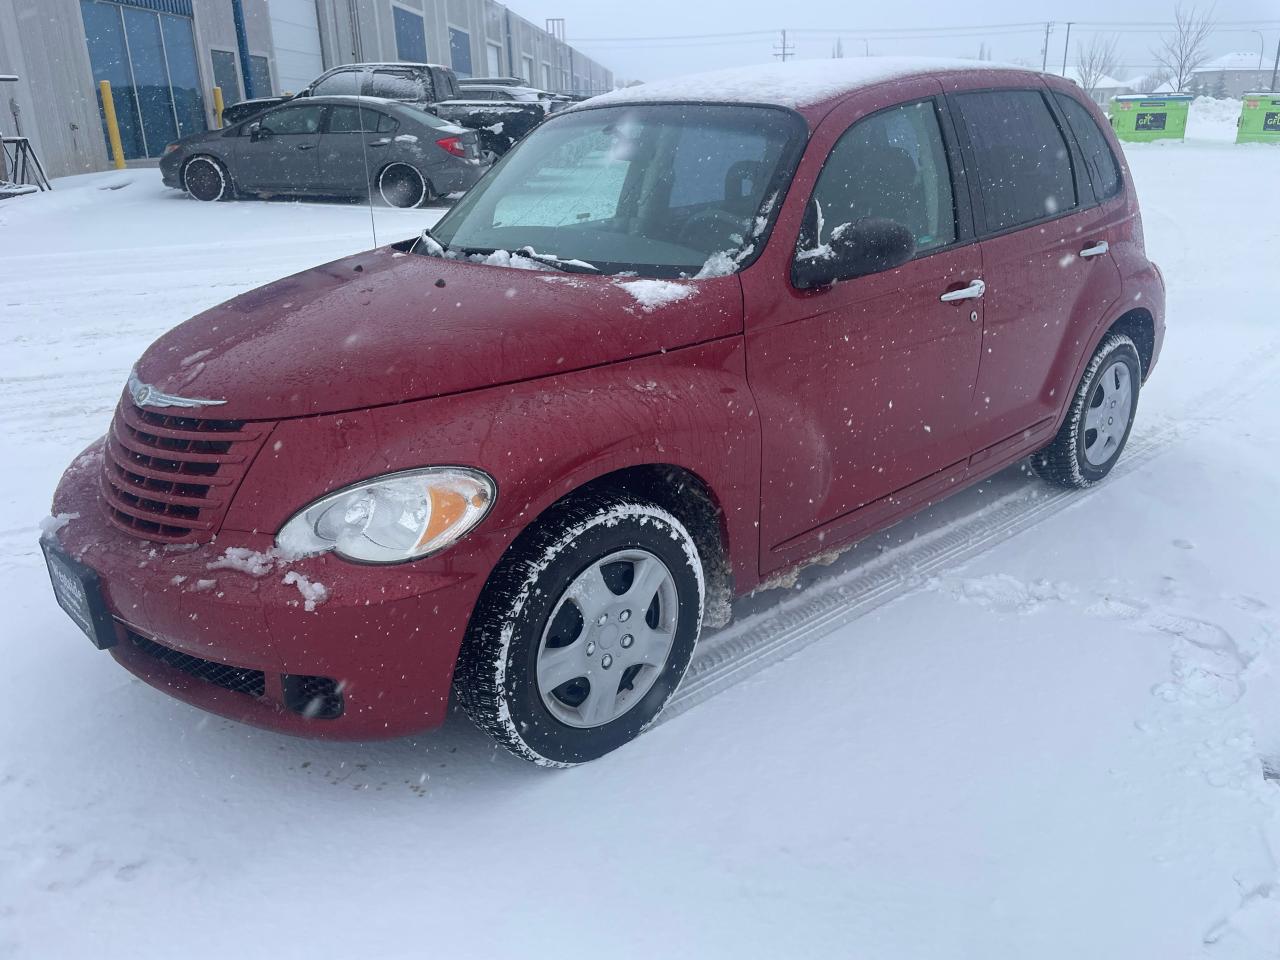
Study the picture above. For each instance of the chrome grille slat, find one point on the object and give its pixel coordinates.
(171, 478)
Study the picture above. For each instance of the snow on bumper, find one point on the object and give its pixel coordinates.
(389, 635)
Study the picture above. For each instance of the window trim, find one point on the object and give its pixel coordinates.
(970, 160)
(960, 200)
(1121, 182)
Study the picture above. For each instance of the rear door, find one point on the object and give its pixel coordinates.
(1049, 277)
(355, 142)
(281, 154)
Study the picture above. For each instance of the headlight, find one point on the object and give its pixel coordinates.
(402, 516)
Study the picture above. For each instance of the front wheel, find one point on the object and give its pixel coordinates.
(1101, 415)
(206, 179)
(584, 631)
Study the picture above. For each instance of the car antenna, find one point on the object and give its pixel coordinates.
(364, 154)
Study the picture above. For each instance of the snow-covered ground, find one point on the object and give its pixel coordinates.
(1025, 724)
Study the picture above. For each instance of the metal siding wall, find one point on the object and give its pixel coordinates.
(43, 42)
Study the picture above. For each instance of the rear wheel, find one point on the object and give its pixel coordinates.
(403, 185)
(584, 631)
(1101, 416)
(205, 178)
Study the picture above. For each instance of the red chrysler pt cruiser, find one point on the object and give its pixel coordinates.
(684, 337)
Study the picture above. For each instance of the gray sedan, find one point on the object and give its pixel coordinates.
(331, 147)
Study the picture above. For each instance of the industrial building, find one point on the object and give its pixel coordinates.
(164, 57)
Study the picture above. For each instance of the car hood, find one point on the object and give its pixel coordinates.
(385, 327)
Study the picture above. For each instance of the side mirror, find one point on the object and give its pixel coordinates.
(855, 249)
(256, 133)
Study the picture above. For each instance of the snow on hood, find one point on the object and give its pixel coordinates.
(797, 83)
(385, 327)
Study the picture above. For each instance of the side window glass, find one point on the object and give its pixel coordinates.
(398, 85)
(345, 120)
(386, 124)
(1103, 169)
(891, 165)
(1024, 167)
(343, 83)
(293, 120)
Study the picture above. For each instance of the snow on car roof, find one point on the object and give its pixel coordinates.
(794, 84)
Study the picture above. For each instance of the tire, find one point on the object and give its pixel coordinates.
(561, 612)
(1099, 419)
(403, 185)
(206, 178)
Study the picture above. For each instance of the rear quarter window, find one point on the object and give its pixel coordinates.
(1024, 166)
(1098, 158)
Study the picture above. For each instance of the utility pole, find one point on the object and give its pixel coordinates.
(785, 50)
(1044, 60)
(1275, 67)
(1065, 46)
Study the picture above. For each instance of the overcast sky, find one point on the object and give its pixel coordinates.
(874, 27)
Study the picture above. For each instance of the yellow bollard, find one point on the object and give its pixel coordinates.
(217, 107)
(113, 127)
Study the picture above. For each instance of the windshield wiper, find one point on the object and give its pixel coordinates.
(434, 248)
(547, 259)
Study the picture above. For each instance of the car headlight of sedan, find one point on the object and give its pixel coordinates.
(393, 518)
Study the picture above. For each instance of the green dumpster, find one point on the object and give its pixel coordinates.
(1259, 119)
(1139, 119)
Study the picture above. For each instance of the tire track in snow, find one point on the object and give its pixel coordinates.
(734, 653)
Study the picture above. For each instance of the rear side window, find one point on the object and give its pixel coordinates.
(1024, 167)
(344, 119)
(1103, 169)
(399, 85)
(891, 164)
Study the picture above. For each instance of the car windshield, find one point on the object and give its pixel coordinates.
(663, 189)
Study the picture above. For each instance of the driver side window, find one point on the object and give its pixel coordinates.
(890, 165)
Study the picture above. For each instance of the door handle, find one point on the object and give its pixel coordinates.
(380, 143)
(1096, 249)
(306, 146)
(976, 288)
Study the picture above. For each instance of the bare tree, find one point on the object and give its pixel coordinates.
(1185, 49)
(1154, 80)
(1096, 60)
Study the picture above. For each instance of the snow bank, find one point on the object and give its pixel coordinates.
(793, 84)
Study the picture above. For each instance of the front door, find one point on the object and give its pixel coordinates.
(1049, 277)
(864, 387)
(279, 152)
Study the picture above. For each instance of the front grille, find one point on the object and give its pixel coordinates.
(235, 679)
(170, 478)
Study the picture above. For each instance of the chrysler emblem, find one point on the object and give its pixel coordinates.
(145, 395)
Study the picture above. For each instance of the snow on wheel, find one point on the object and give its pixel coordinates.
(1101, 415)
(584, 631)
(205, 178)
(401, 185)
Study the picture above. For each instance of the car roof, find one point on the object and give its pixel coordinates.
(386, 63)
(794, 84)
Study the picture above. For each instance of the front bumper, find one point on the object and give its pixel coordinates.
(388, 636)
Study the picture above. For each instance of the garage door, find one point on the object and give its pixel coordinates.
(297, 40)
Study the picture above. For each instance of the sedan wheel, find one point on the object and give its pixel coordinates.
(204, 178)
(401, 185)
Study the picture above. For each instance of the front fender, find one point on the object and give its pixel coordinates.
(539, 440)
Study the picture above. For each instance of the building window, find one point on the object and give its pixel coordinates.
(260, 76)
(527, 68)
(494, 54)
(226, 75)
(460, 51)
(150, 60)
(411, 35)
